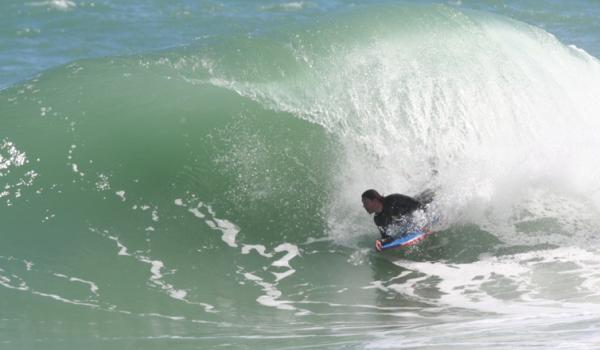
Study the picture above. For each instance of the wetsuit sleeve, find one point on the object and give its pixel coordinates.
(383, 232)
(382, 222)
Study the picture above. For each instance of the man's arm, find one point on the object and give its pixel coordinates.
(383, 232)
(385, 237)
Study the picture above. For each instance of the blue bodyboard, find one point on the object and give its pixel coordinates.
(408, 239)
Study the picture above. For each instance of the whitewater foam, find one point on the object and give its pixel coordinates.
(513, 284)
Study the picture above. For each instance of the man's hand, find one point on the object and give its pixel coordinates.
(378, 245)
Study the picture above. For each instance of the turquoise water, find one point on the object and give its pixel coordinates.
(186, 175)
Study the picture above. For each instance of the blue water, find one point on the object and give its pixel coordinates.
(39, 35)
(187, 174)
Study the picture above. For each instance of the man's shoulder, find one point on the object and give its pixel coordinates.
(397, 200)
(397, 197)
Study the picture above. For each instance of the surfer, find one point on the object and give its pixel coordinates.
(393, 213)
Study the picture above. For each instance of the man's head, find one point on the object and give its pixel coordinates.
(372, 201)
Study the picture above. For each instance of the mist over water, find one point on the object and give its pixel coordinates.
(208, 195)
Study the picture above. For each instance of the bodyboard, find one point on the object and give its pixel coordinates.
(413, 237)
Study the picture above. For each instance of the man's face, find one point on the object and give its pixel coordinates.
(370, 205)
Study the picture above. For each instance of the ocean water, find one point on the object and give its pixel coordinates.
(187, 174)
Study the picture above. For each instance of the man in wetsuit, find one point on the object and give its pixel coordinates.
(393, 210)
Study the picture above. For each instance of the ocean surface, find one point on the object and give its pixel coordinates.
(187, 174)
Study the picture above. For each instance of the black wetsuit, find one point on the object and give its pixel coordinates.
(397, 209)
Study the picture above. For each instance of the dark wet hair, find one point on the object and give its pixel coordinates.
(372, 194)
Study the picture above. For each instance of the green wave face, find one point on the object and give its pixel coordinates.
(94, 128)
